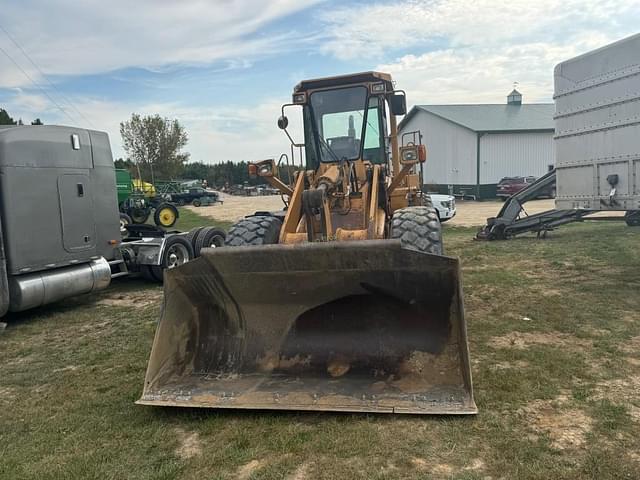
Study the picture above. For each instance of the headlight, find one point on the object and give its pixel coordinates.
(264, 170)
(409, 155)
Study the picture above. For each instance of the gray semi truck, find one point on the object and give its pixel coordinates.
(60, 228)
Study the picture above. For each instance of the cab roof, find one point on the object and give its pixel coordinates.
(340, 80)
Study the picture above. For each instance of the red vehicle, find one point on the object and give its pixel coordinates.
(508, 186)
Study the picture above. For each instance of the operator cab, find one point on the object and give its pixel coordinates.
(345, 117)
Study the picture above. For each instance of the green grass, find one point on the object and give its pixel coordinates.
(188, 220)
(69, 375)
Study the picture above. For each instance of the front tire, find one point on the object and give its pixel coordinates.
(254, 230)
(418, 228)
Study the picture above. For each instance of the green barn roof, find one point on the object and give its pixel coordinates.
(493, 117)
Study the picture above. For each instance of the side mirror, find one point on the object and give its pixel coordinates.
(283, 122)
(398, 104)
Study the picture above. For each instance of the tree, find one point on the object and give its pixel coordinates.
(123, 164)
(37, 121)
(154, 144)
(5, 119)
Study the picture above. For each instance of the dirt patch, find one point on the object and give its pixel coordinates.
(471, 214)
(68, 368)
(621, 391)
(442, 470)
(137, 299)
(7, 394)
(477, 465)
(518, 364)
(301, 473)
(632, 346)
(189, 444)
(236, 207)
(567, 428)
(468, 213)
(633, 361)
(521, 341)
(420, 463)
(245, 471)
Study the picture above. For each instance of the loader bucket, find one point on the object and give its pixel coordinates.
(362, 326)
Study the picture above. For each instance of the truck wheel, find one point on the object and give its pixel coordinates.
(166, 215)
(181, 202)
(254, 230)
(152, 273)
(124, 221)
(140, 215)
(208, 237)
(193, 235)
(177, 251)
(196, 202)
(418, 229)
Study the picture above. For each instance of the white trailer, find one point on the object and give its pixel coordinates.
(597, 144)
(597, 124)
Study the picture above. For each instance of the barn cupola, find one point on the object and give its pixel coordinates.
(514, 98)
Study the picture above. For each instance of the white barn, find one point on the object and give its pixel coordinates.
(471, 147)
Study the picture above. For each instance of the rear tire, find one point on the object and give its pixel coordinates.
(254, 230)
(196, 202)
(418, 228)
(208, 237)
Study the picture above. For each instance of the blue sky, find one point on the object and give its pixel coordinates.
(224, 67)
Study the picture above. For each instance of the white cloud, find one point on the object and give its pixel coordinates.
(368, 30)
(93, 36)
(473, 51)
(476, 75)
(230, 132)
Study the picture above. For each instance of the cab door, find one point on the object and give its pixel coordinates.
(76, 211)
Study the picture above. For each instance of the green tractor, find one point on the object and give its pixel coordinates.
(137, 200)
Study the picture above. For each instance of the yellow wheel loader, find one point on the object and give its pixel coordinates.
(343, 301)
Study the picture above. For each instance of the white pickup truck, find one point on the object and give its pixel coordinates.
(445, 205)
